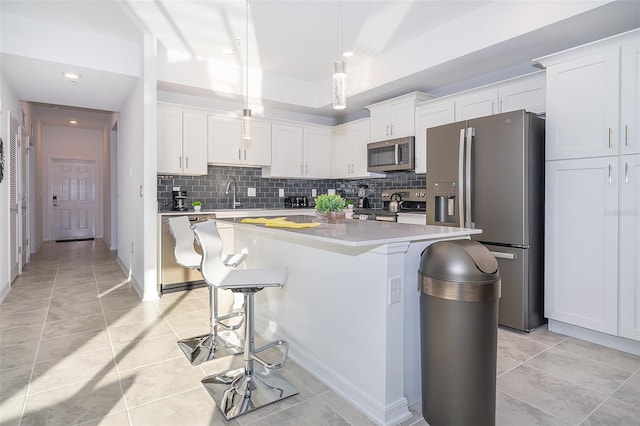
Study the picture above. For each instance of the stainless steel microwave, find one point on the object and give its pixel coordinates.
(391, 155)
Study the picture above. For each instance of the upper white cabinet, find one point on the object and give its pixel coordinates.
(349, 149)
(182, 140)
(430, 114)
(226, 146)
(299, 152)
(630, 97)
(476, 104)
(528, 93)
(592, 96)
(394, 118)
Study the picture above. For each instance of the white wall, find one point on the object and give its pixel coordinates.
(137, 180)
(74, 144)
(8, 104)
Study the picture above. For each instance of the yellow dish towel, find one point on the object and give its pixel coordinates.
(289, 224)
(262, 220)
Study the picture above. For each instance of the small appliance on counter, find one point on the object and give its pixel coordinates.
(363, 200)
(179, 198)
(296, 202)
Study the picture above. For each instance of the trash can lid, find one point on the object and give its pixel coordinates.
(460, 260)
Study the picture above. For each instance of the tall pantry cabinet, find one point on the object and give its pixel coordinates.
(592, 247)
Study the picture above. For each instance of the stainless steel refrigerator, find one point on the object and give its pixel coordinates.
(488, 173)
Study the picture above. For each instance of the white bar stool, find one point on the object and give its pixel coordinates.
(217, 343)
(244, 389)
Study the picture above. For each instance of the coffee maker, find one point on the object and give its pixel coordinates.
(363, 201)
(179, 198)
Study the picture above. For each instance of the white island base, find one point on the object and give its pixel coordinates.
(350, 307)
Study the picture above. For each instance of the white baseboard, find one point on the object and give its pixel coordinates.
(134, 284)
(391, 414)
(614, 342)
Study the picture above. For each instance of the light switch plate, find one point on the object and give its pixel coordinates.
(281, 192)
(331, 191)
(395, 284)
(314, 192)
(251, 192)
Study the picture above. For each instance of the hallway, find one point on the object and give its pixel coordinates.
(78, 347)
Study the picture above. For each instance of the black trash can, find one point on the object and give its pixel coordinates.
(460, 288)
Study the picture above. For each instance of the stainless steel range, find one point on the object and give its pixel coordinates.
(410, 200)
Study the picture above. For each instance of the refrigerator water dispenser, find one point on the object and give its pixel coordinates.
(445, 202)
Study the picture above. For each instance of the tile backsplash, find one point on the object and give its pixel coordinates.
(210, 188)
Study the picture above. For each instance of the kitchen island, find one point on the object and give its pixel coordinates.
(350, 307)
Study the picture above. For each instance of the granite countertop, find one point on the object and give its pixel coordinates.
(357, 233)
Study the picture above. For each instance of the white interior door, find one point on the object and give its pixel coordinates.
(73, 199)
(24, 198)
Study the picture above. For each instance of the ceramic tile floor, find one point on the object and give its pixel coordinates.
(77, 347)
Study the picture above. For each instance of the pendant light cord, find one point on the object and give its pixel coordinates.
(246, 82)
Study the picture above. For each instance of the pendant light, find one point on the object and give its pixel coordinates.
(246, 112)
(339, 71)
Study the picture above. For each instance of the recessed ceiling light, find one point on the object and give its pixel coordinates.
(228, 51)
(73, 122)
(347, 54)
(71, 76)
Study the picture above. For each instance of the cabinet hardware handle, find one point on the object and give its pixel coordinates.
(186, 162)
(609, 137)
(626, 135)
(306, 169)
(180, 161)
(626, 172)
(386, 130)
(245, 154)
(301, 170)
(391, 129)
(239, 154)
(610, 172)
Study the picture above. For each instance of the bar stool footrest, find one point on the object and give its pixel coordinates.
(239, 314)
(269, 345)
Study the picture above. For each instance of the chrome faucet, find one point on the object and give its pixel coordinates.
(232, 181)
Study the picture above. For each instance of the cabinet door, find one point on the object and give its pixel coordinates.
(380, 123)
(582, 106)
(630, 92)
(402, 118)
(430, 115)
(286, 151)
(169, 139)
(224, 135)
(360, 137)
(581, 243)
(630, 246)
(317, 153)
(527, 95)
(341, 152)
(194, 142)
(477, 104)
(257, 150)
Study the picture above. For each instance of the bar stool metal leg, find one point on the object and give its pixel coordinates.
(254, 385)
(216, 344)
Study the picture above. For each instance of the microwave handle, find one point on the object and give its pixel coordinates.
(397, 154)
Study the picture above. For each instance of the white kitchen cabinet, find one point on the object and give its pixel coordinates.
(630, 246)
(478, 103)
(394, 118)
(225, 144)
(182, 140)
(349, 150)
(430, 114)
(299, 152)
(630, 97)
(528, 93)
(581, 243)
(592, 97)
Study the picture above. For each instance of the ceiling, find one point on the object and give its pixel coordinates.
(293, 44)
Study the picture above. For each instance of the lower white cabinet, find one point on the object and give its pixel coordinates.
(630, 246)
(592, 242)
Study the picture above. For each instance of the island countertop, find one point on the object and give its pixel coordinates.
(359, 233)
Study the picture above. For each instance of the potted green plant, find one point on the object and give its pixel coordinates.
(330, 208)
(197, 205)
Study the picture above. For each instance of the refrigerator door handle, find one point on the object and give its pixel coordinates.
(501, 255)
(461, 178)
(467, 187)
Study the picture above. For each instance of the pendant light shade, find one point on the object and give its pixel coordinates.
(339, 85)
(339, 71)
(246, 112)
